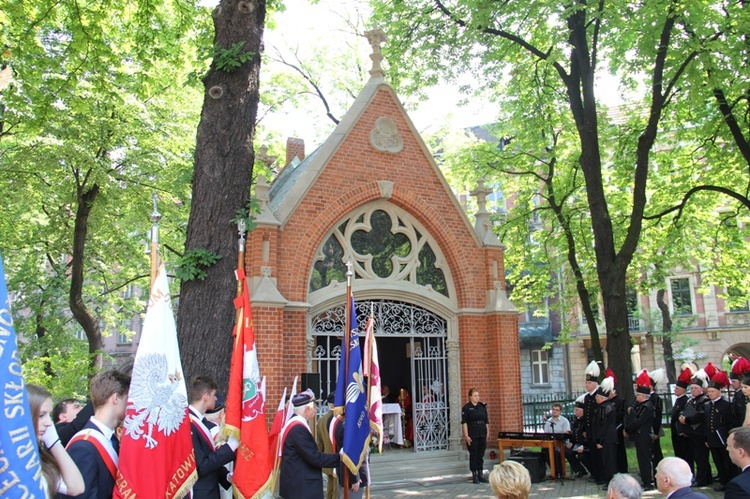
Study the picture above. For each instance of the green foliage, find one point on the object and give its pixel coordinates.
(246, 214)
(232, 58)
(193, 264)
(59, 362)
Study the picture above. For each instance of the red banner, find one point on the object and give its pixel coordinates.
(245, 416)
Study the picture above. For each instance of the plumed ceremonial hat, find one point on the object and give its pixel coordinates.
(719, 380)
(303, 398)
(579, 401)
(658, 376)
(710, 370)
(700, 378)
(592, 372)
(643, 383)
(609, 373)
(683, 380)
(606, 387)
(740, 367)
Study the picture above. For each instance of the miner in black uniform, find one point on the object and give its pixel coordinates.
(639, 427)
(475, 424)
(740, 367)
(619, 404)
(576, 450)
(589, 421)
(718, 424)
(680, 441)
(605, 430)
(694, 418)
(657, 376)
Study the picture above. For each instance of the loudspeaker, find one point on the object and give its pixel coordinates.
(534, 462)
(312, 381)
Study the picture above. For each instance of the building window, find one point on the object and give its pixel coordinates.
(539, 367)
(681, 301)
(124, 337)
(737, 300)
(631, 298)
(81, 334)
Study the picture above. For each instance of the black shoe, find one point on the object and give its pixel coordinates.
(482, 478)
(474, 477)
(581, 474)
(719, 488)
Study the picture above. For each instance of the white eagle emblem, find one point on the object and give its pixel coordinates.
(154, 399)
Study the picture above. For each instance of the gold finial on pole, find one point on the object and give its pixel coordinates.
(155, 217)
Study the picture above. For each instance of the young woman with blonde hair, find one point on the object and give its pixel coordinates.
(60, 472)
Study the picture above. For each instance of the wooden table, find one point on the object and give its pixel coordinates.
(550, 445)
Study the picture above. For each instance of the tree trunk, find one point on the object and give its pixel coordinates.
(666, 339)
(221, 186)
(619, 344)
(80, 311)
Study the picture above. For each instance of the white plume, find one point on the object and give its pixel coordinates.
(592, 369)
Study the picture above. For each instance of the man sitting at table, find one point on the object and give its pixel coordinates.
(557, 423)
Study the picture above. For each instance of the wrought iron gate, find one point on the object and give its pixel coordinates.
(426, 333)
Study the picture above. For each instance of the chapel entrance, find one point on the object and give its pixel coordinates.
(413, 357)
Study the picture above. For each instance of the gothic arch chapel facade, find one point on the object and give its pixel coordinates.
(372, 194)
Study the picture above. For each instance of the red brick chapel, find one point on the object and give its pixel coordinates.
(372, 195)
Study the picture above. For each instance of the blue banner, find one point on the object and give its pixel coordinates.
(351, 398)
(20, 472)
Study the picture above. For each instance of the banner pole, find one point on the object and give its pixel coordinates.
(347, 340)
(155, 217)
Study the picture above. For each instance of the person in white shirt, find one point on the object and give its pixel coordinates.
(557, 423)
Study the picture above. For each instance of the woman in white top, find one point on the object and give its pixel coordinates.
(60, 472)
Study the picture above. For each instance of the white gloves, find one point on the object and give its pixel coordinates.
(233, 443)
(50, 438)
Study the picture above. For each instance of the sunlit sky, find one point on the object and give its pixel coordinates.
(306, 28)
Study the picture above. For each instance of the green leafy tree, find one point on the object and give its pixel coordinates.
(552, 54)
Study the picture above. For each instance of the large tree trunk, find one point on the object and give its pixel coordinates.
(80, 311)
(618, 336)
(221, 187)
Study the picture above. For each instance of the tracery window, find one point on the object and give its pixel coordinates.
(382, 245)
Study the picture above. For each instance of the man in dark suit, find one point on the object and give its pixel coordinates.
(718, 424)
(739, 452)
(94, 449)
(639, 427)
(301, 461)
(673, 479)
(209, 459)
(680, 441)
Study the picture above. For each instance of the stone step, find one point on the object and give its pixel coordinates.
(398, 465)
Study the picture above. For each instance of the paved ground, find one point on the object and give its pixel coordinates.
(461, 486)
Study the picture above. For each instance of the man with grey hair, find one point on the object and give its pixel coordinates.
(673, 479)
(624, 486)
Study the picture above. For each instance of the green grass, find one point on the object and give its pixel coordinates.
(666, 448)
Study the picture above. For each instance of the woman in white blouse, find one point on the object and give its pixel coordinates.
(60, 472)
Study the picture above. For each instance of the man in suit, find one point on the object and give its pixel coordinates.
(209, 458)
(673, 479)
(680, 441)
(739, 452)
(576, 451)
(94, 449)
(323, 439)
(694, 419)
(301, 461)
(639, 427)
(718, 424)
(589, 421)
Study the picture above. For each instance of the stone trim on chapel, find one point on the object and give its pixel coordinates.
(373, 195)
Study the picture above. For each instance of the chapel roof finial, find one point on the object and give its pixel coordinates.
(376, 37)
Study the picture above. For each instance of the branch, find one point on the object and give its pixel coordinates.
(712, 188)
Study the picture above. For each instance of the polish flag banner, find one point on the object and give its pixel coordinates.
(246, 414)
(156, 450)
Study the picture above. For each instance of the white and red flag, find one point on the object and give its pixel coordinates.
(246, 415)
(156, 450)
(372, 371)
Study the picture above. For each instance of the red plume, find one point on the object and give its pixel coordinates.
(740, 366)
(720, 378)
(610, 374)
(711, 370)
(685, 376)
(643, 379)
